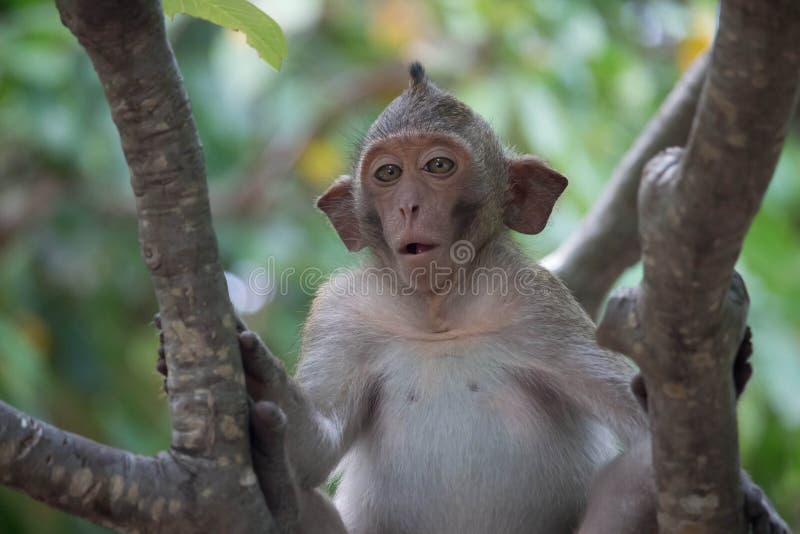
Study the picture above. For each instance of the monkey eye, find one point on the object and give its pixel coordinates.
(440, 166)
(388, 173)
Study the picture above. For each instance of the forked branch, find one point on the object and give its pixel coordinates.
(684, 322)
(206, 482)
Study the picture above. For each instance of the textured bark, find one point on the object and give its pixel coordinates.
(108, 486)
(684, 322)
(591, 260)
(127, 46)
(206, 482)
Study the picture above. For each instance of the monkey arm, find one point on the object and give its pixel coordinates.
(328, 400)
(330, 422)
(597, 380)
(313, 436)
(623, 495)
(336, 387)
(620, 411)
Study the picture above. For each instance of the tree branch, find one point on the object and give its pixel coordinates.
(111, 487)
(206, 483)
(128, 48)
(685, 321)
(607, 242)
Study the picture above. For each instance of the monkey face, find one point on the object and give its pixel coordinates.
(417, 197)
(414, 183)
(429, 174)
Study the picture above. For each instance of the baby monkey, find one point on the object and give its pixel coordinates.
(451, 383)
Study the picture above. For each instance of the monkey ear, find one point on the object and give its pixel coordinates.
(339, 205)
(533, 189)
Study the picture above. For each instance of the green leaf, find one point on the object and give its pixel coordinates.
(262, 32)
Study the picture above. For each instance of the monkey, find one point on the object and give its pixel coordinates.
(446, 409)
(449, 383)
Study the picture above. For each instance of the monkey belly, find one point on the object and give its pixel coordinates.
(455, 448)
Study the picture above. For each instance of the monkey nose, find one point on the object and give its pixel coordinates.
(409, 209)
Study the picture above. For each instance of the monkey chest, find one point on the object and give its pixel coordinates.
(463, 448)
(469, 406)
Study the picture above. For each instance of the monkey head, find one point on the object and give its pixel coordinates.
(431, 172)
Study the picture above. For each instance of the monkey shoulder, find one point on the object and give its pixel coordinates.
(336, 321)
(347, 296)
(566, 339)
(547, 302)
(335, 345)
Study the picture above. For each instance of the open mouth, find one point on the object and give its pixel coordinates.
(417, 248)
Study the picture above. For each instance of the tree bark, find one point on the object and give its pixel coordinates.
(684, 322)
(205, 482)
(111, 487)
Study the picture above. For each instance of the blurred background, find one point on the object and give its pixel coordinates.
(568, 80)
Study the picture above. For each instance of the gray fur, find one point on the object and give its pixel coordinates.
(425, 108)
(422, 450)
(499, 428)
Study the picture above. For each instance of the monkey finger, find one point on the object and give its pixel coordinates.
(761, 514)
(741, 375)
(241, 326)
(259, 364)
(161, 365)
(256, 389)
(639, 390)
(264, 374)
(271, 464)
(250, 343)
(760, 525)
(269, 424)
(157, 320)
(742, 369)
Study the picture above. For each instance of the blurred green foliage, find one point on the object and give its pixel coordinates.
(569, 80)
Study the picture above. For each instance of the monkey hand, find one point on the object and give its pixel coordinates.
(271, 465)
(161, 362)
(268, 438)
(265, 375)
(759, 511)
(742, 371)
(276, 397)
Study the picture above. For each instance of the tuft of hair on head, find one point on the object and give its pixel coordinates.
(417, 72)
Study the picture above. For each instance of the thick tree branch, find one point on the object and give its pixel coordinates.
(206, 483)
(607, 242)
(685, 321)
(128, 48)
(115, 488)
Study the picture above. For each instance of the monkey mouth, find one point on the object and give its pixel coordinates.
(415, 248)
